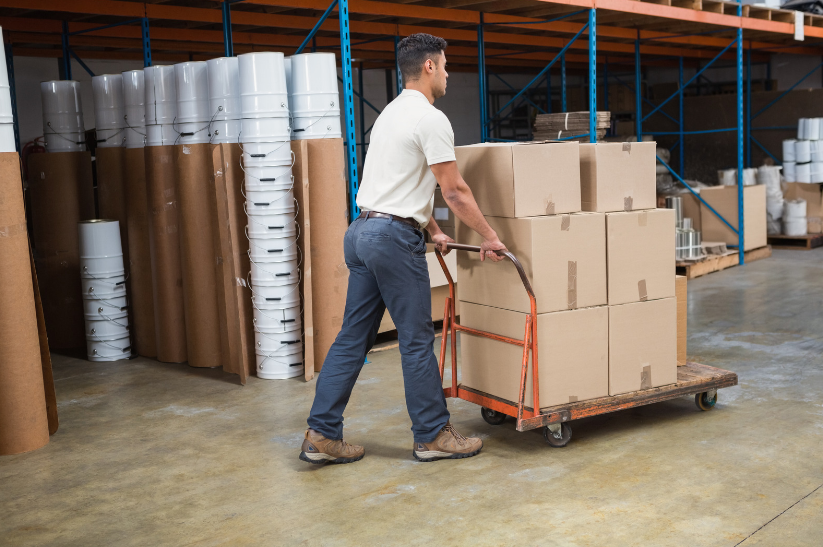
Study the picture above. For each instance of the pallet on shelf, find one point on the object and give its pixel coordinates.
(716, 263)
(802, 243)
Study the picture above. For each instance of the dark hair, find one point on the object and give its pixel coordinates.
(414, 50)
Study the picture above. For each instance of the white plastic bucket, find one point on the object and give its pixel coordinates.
(62, 107)
(270, 177)
(803, 172)
(279, 343)
(267, 154)
(7, 138)
(109, 103)
(104, 308)
(64, 142)
(287, 65)
(134, 89)
(816, 172)
(111, 138)
(313, 74)
(114, 327)
(813, 129)
(109, 350)
(274, 367)
(265, 202)
(4, 76)
(802, 152)
(319, 104)
(788, 150)
(286, 272)
(161, 94)
(317, 127)
(99, 238)
(224, 88)
(816, 150)
(135, 116)
(265, 250)
(192, 79)
(802, 130)
(103, 266)
(795, 226)
(265, 296)
(265, 130)
(193, 133)
(790, 171)
(104, 287)
(161, 135)
(6, 112)
(135, 136)
(225, 131)
(272, 225)
(273, 320)
(263, 90)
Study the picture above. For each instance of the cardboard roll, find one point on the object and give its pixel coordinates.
(224, 131)
(279, 368)
(279, 343)
(103, 307)
(317, 127)
(109, 102)
(267, 154)
(272, 225)
(274, 320)
(64, 142)
(113, 327)
(109, 350)
(285, 272)
(274, 295)
(192, 82)
(104, 287)
(224, 88)
(267, 250)
(161, 94)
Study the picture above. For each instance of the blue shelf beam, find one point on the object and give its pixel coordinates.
(322, 20)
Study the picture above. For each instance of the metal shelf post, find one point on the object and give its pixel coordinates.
(638, 92)
(682, 140)
(593, 75)
(563, 83)
(481, 81)
(228, 46)
(397, 74)
(741, 239)
(348, 104)
(144, 26)
(66, 53)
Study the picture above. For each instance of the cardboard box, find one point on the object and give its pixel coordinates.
(681, 294)
(691, 209)
(572, 354)
(814, 203)
(441, 213)
(564, 257)
(523, 179)
(438, 306)
(642, 345)
(723, 199)
(640, 255)
(618, 176)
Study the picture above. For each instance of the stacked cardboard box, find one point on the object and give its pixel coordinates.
(581, 220)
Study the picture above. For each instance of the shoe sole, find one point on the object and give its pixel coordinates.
(455, 456)
(305, 458)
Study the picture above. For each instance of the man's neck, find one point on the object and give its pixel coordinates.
(424, 89)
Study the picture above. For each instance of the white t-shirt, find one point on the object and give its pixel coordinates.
(408, 136)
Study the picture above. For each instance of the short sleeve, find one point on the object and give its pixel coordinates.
(435, 137)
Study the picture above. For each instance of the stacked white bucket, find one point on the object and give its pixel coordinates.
(272, 213)
(794, 217)
(6, 113)
(134, 96)
(109, 110)
(314, 97)
(103, 279)
(193, 107)
(803, 157)
(63, 128)
(160, 105)
(224, 99)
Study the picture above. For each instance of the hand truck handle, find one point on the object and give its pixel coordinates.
(476, 249)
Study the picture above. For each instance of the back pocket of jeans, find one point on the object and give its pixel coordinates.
(374, 236)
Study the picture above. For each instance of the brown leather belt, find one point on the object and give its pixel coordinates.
(374, 214)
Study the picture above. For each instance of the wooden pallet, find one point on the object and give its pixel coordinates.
(716, 263)
(802, 243)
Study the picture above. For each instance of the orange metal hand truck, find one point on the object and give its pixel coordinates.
(702, 381)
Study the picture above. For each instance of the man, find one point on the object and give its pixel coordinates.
(412, 150)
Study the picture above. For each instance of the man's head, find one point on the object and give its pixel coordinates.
(422, 61)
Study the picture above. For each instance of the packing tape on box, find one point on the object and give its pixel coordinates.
(549, 205)
(572, 399)
(565, 223)
(642, 218)
(641, 290)
(572, 285)
(566, 121)
(646, 377)
(627, 147)
(628, 203)
(13, 230)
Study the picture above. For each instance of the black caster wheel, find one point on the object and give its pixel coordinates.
(560, 437)
(492, 417)
(706, 400)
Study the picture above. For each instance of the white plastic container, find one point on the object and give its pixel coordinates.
(106, 287)
(314, 83)
(111, 138)
(802, 152)
(134, 89)
(161, 94)
(116, 326)
(802, 128)
(816, 150)
(6, 112)
(795, 226)
(277, 225)
(104, 307)
(278, 343)
(727, 177)
(816, 171)
(193, 132)
(794, 208)
(790, 171)
(287, 65)
(265, 202)
(265, 130)
(813, 129)
(271, 177)
(64, 142)
(275, 367)
(803, 172)
(99, 238)
(256, 154)
(161, 135)
(4, 76)
(62, 107)
(192, 79)
(224, 88)
(135, 137)
(227, 131)
(109, 102)
(265, 296)
(109, 350)
(263, 90)
(264, 250)
(7, 138)
(286, 272)
(317, 127)
(274, 320)
(788, 150)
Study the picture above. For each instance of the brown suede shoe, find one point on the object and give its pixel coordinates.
(449, 444)
(318, 449)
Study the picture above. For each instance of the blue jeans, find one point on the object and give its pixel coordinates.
(387, 269)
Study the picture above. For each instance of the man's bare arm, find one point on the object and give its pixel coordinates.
(460, 199)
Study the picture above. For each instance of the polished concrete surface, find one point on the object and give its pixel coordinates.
(154, 454)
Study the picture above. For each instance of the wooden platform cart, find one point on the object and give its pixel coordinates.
(702, 381)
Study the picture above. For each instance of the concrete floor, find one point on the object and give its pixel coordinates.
(153, 454)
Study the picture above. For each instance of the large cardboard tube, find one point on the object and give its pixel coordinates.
(164, 243)
(141, 297)
(111, 191)
(23, 420)
(197, 220)
(62, 194)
